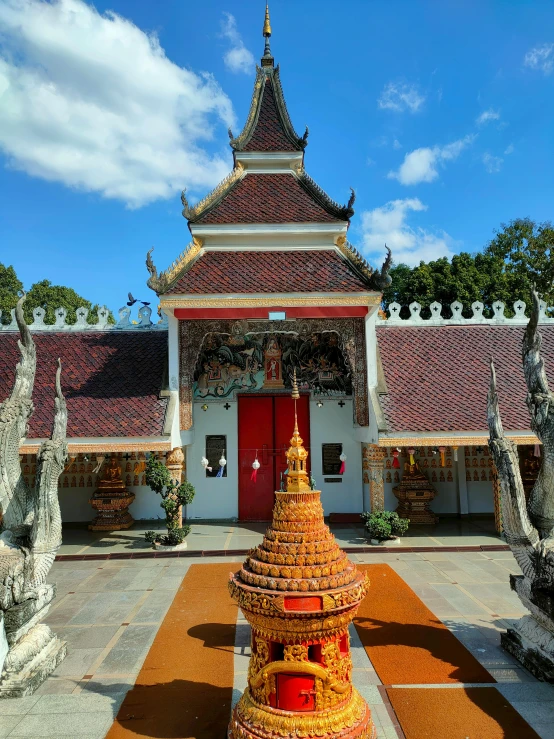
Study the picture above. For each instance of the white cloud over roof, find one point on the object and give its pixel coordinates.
(389, 225)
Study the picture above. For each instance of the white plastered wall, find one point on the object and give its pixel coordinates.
(216, 497)
(75, 506)
(332, 424)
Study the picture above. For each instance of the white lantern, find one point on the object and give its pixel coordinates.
(204, 462)
(222, 461)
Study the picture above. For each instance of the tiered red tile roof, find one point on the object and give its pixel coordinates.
(267, 198)
(111, 381)
(269, 272)
(437, 377)
(269, 134)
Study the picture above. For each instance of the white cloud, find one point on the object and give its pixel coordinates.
(509, 150)
(370, 162)
(388, 225)
(396, 144)
(492, 164)
(93, 102)
(238, 58)
(421, 165)
(540, 57)
(487, 116)
(400, 97)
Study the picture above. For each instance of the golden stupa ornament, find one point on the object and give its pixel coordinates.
(299, 593)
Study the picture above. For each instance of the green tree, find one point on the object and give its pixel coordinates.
(45, 295)
(516, 258)
(174, 496)
(9, 289)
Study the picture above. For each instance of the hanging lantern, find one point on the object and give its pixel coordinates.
(100, 461)
(255, 467)
(342, 463)
(395, 460)
(204, 462)
(411, 452)
(222, 463)
(455, 450)
(442, 452)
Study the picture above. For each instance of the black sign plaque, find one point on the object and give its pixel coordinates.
(330, 454)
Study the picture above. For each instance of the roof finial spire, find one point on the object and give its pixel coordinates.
(267, 59)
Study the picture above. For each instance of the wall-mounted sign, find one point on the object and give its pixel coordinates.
(331, 461)
(216, 449)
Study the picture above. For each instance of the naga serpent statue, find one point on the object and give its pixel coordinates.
(31, 532)
(529, 527)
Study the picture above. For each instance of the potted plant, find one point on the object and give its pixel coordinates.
(174, 496)
(381, 525)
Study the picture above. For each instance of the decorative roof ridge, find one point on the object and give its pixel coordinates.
(458, 319)
(343, 212)
(195, 212)
(264, 74)
(163, 281)
(376, 280)
(61, 326)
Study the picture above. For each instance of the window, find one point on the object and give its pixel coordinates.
(330, 454)
(216, 447)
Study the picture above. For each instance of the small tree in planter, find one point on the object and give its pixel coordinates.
(382, 525)
(174, 495)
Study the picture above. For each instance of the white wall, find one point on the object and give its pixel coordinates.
(332, 424)
(216, 497)
(480, 497)
(479, 493)
(75, 506)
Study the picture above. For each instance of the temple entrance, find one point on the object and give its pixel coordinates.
(265, 426)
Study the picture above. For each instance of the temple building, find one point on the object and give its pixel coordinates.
(270, 284)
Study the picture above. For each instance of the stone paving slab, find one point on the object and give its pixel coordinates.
(109, 633)
(225, 537)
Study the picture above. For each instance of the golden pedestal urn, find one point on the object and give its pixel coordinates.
(111, 500)
(299, 593)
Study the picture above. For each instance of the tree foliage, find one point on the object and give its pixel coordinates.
(174, 495)
(519, 255)
(45, 295)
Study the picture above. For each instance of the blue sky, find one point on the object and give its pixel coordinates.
(439, 114)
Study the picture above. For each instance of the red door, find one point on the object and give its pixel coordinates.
(266, 424)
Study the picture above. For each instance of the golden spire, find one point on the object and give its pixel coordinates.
(297, 475)
(267, 59)
(267, 24)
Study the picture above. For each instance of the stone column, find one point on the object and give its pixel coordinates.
(497, 501)
(373, 457)
(174, 462)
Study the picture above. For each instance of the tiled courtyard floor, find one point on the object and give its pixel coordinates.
(109, 612)
(224, 537)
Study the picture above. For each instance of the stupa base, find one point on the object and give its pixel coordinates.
(251, 720)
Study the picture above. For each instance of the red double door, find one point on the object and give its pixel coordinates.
(266, 424)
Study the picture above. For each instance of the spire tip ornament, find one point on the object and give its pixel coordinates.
(267, 59)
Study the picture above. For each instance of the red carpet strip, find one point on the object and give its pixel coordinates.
(405, 641)
(457, 713)
(185, 686)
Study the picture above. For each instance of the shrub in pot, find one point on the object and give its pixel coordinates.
(382, 525)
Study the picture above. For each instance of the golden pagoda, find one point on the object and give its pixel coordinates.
(299, 592)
